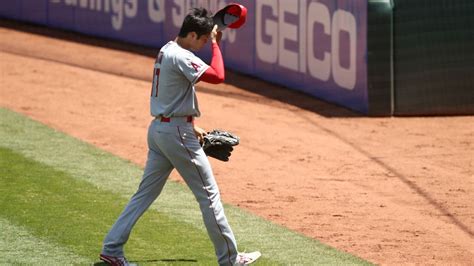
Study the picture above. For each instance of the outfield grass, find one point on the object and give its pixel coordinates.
(65, 194)
(19, 247)
(74, 214)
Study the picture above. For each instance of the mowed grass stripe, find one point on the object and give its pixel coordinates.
(109, 173)
(18, 246)
(74, 214)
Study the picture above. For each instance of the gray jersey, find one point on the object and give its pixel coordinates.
(173, 144)
(176, 72)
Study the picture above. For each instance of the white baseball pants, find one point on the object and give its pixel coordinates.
(174, 145)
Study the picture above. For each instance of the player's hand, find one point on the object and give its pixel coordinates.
(200, 133)
(216, 36)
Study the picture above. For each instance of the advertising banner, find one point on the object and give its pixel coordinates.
(315, 46)
(318, 47)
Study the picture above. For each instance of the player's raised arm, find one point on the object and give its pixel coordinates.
(215, 74)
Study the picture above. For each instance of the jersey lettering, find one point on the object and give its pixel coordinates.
(195, 66)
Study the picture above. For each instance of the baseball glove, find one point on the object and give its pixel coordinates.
(219, 144)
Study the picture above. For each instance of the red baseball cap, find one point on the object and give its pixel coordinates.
(232, 16)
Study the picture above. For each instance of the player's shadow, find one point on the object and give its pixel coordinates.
(138, 262)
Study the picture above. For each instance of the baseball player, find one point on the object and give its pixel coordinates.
(174, 141)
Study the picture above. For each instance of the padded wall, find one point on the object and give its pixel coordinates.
(434, 57)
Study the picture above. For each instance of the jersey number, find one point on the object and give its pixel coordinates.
(156, 81)
(156, 75)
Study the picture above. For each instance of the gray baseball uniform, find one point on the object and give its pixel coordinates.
(172, 143)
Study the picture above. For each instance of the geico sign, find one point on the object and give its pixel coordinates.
(277, 31)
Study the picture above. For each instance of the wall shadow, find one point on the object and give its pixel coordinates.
(246, 82)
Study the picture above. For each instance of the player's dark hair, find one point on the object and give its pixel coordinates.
(199, 21)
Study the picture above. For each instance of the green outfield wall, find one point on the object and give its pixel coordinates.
(380, 58)
(434, 57)
(421, 57)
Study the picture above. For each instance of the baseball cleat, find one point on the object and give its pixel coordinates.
(114, 261)
(247, 258)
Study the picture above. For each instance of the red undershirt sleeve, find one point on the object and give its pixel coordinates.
(215, 74)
